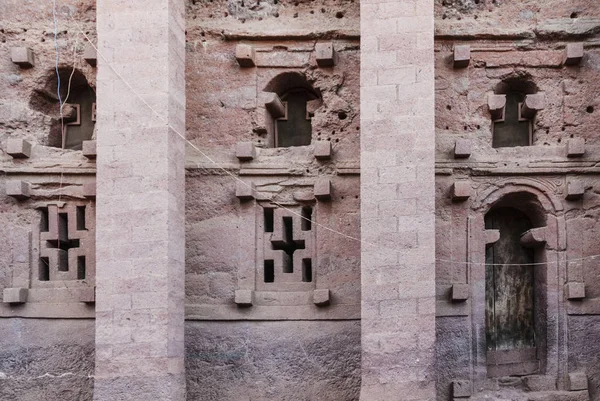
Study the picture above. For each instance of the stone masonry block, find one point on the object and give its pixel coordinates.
(244, 297)
(245, 151)
(575, 147)
(325, 54)
(321, 297)
(90, 55)
(578, 381)
(532, 104)
(323, 150)
(18, 148)
(461, 388)
(323, 189)
(244, 191)
(18, 189)
(87, 295)
(462, 56)
(461, 190)
(574, 290)
(89, 190)
(89, 149)
(462, 149)
(15, 295)
(22, 56)
(575, 189)
(460, 292)
(497, 106)
(573, 53)
(535, 237)
(244, 54)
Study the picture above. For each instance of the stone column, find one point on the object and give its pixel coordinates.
(140, 201)
(397, 191)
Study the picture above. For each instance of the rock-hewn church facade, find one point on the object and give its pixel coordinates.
(300, 200)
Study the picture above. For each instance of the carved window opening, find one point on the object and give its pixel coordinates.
(75, 122)
(290, 102)
(513, 129)
(514, 297)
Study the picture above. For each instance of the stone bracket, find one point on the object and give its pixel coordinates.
(321, 297)
(460, 292)
(534, 238)
(19, 190)
(245, 151)
(16, 295)
(573, 54)
(532, 104)
(323, 189)
(577, 381)
(575, 291)
(461, 191)
(497, 106)
(575, 189)
(491, 236)
(461, 56)
(18, 148)
(244, 191)
(22, 56)
(325, 54)
(462, 149)
(244, 298)
(274, 105)
(575, 147)
(89, 149)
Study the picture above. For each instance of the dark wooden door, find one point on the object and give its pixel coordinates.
(509, 289)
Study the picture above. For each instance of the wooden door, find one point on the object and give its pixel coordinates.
(509, 289)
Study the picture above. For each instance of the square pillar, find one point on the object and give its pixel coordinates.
(140, 201)
(397, 200)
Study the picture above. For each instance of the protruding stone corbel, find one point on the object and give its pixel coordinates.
(312, 106)
(578, 381)
(88, 148)
(244, 298)
(325, 54)
(575, 147)
(274, 105)
(323, 189)
(323, 150)
(575, 189)
(88, 295)
(461, 56)
(89, 190)
(245, 151)
(461, 190)
(532, 104)
(90, 55)
(321, 297)
(22, 56)
(461, 388)
(491, 236)
(573, 53)
(462, 149)
(497, 106)
(15, 295)
(575, 291)
(460, 292)
(18, 189)
(534, 238)
(244, 54)
(18, 148)
(244, 191)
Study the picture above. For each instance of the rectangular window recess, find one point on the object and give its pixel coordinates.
(81, 218)
(81, 268)
(307, 270)
(269, 268)
(269, 219)
(306, 219)
(44, 269)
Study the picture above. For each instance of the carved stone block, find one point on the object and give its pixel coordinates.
(461, 190)
(462, 149)
(15, 295)
(534, 238)
(18, 189)
(87, 295)
(575, 147)
(575, 290)
(244, 54)
(89, 149)
(461, 388)
(244, 191)
(573, 53)
(325, 54)
(575, 189)
(323, 150)
(89, 190)
(461, 56)
(321, 297)
(460, 292)
(90, 55)
(274, 105)
(532, 104)
(18, 148)
(22, 56)
(245, 151)
(323, 189)
(578, 381)
(491, 235)
(497, 106)
(244, 297)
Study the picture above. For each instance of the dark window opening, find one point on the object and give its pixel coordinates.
(512, 130)
(269, 268)
(295, 128)
(81, 218)
(44, 220)
(306, 270)
(81, 268)
(306, 219)
(44, 269)
(268, 219)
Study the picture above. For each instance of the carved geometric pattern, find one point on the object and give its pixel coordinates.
(66, 244)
